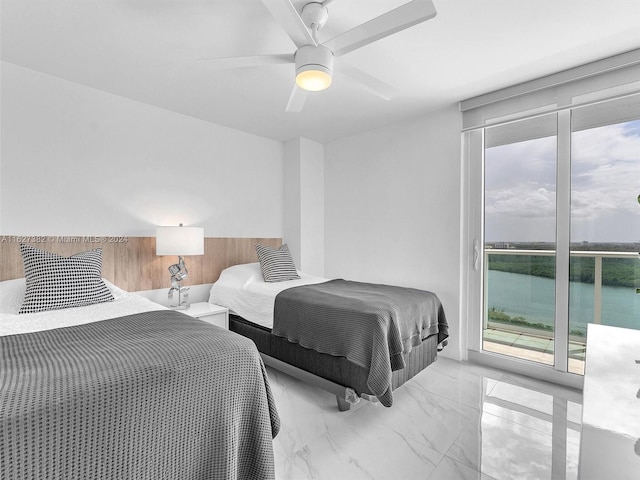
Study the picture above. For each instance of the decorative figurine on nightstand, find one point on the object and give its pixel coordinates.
(178, 273)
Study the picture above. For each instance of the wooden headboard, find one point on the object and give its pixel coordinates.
(131, 263)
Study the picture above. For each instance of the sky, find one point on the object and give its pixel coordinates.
(520, 186)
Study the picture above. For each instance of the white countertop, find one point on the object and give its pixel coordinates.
(610, 441)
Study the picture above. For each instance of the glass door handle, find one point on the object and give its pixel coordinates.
(476, 254)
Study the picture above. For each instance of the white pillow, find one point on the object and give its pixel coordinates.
(12, 294)
(238, 276)
(117, 292)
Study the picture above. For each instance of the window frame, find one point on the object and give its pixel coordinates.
(603, 81)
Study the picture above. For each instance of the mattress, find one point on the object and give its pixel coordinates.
(11, 323)
(242, 289)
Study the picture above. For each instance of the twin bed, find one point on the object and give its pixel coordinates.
(125, 388)
(356, 340)
(97, 383)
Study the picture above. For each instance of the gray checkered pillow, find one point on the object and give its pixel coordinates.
(55, 282)
(276, 263)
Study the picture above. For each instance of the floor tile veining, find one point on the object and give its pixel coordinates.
(453, 421)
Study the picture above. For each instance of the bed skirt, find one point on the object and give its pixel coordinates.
(338, 370)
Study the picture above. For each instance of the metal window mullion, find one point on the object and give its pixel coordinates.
(563, 240)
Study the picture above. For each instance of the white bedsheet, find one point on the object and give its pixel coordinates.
(124, 303)
(242, 289)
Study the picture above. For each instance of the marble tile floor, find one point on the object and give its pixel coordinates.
(453, 421)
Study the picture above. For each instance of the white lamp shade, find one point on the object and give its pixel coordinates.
(179, 241)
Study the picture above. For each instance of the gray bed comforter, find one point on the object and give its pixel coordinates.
(156, 396)
(371, 325)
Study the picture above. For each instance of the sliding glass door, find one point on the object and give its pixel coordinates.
(560, 231)
(551, 195)
(520, 164)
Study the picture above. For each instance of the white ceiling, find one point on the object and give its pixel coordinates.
(152, 51)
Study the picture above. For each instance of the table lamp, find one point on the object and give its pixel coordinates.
(179, 241)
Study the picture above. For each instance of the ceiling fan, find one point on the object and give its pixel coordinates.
(314, 61)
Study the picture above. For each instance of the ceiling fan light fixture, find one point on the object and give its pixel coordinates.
(314, 68)
(313, 78)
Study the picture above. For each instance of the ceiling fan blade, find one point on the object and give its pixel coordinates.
(297, 99)
(404, 16)
(287, 15)
(250, 61)
(371, 83)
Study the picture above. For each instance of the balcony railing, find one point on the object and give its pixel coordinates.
(597, 275)
(524, 338)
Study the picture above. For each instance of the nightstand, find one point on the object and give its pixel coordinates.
(208, 312)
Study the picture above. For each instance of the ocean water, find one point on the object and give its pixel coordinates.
(533, 298)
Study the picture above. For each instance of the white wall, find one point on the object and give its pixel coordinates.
(304, 203)
(291, 207)
(78, 161)
(312, 216)
(392, 209)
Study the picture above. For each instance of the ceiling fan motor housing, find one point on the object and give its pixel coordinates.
(314, 15)
(316, 59)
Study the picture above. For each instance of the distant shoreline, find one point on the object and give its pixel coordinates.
(616, 272)
(579, 246)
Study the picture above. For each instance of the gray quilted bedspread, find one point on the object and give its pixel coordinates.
(372, 325)
(157, 396)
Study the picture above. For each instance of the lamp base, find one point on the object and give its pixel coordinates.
(183, 297)
(184, 306)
